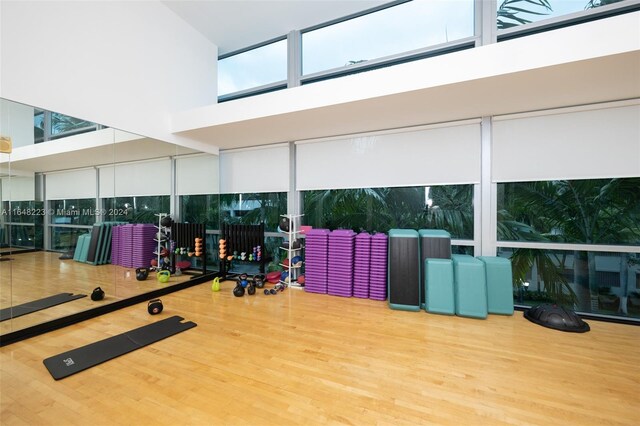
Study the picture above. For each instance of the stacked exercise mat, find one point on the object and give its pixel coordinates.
(316, 260)
(341, 250)
(422, 272)
(133, 246)
(343, 263)
(378, 267)
(361, 265)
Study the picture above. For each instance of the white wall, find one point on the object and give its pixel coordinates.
(126, 65)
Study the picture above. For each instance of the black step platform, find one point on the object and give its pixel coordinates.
(76, 360)
(37, 305)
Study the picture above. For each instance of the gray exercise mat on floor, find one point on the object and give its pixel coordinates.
(38, 305)
(79, 359)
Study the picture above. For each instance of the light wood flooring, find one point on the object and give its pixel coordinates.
(301, 358)
(31, 276)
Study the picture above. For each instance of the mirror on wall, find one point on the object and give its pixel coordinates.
(81, 203)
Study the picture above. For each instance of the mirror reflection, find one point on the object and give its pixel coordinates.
(85, 206)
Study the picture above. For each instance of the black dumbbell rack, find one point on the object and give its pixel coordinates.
(185, 234)
(242, 238)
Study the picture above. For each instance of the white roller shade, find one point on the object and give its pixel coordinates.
(434, 155)
(264, 169)
(197, 175)
(18, 188)
(71, 184)
(577, 144)
(136, 179)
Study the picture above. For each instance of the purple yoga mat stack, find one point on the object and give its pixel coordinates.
(126, 246)
(316, 259)
(341, 252)
(143, 245)
(361, 265)
(115, 245)
(378, 267)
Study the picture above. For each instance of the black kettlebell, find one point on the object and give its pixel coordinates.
(154, 306)
(97, 294)
(142, 274)
(238, 290)
(258, 280)
(251, 290)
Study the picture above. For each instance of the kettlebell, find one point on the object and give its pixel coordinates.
(238, 290)
(258, 280)
(215, 286)
(154, 306)
(142, 274)
(97, 294)
(163, 276)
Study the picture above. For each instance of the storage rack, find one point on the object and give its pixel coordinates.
(292, 234)
(161, 230)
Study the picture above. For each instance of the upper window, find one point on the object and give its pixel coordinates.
(512, 13)
(64, 124)
(399, 29)
(253, 68)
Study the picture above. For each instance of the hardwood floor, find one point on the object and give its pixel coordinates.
(301, 358)
(31, 276)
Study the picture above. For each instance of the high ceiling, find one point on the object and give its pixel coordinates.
(232, 25)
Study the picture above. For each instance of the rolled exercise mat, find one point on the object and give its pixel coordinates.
(79, 359)
(434, 244)
(38, 305)
(404, 270)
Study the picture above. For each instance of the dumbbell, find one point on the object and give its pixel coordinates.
(274, 290)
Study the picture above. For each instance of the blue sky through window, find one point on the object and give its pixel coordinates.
(402, 28)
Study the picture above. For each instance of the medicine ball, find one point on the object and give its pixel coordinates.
(285, 224)
(97, 294)
(166, 221)
(154, 306)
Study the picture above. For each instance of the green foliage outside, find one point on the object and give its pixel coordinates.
(595, 211)
(382, 209)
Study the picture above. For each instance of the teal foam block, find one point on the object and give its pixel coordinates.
(403, 275)
(438, 286)
(470, 286)
(82, 248)
(499, 284)
(434, 244)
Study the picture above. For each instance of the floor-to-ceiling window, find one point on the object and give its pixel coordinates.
(576, 216)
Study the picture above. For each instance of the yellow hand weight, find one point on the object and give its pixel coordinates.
(215, 285)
